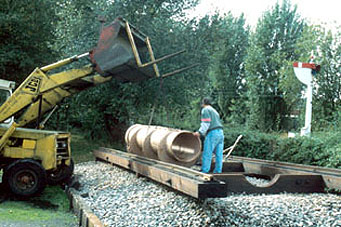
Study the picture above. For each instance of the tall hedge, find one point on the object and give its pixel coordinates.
(320, 149)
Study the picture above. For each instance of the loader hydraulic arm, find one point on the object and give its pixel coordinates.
(117, 55)
(40, 92)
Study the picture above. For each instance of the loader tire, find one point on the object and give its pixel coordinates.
(25, 178)
(61, 175)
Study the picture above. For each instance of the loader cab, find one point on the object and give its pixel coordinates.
(6, 89)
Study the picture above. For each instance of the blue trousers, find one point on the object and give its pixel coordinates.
(214, 143)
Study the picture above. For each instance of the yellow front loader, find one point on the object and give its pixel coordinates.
(30, 158)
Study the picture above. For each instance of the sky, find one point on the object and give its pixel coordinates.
(316, 11)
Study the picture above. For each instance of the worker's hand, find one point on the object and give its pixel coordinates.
(197, 134)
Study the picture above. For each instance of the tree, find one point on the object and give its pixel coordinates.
(326, 47)
(227, 65)
(271, 48)
(26, 34)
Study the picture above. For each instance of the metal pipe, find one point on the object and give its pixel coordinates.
(152, 57)
(143, 133)
(63, 62)
(179, 70)
(183, 149)
(165, 144)
(156, 137)
(162, 58)
(128, 133)
(133, 45)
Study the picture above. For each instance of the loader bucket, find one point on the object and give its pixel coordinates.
(119, 51)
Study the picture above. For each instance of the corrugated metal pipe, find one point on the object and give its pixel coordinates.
(164, 144)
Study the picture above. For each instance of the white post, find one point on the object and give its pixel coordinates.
(308, 111)
(303, 72)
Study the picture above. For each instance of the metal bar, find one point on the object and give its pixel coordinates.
(151, 115)
(133, 45)
(151, 53)
(179, 70)
(7, 135)
(162, 58)
(152, 57)
(176, 179)
(331, 177)
(202, 176)
(40, 97)
(133, 29)
(42, 124)
(63, 62)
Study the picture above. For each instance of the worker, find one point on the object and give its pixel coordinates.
(212, 128)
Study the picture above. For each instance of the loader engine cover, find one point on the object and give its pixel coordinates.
(114, 56)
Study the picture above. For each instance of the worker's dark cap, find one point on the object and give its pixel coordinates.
(206, 101)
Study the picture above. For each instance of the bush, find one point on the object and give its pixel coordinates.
(303, 150)
(254, 144)
(321, 149)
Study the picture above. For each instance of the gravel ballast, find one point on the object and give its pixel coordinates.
(120, 198)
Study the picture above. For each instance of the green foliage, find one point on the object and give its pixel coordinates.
(254, 144)
(272, 50)
(321, 149)
(82, 147)
(26, 34)
(227, 65)
(299, 150)
(327, 95)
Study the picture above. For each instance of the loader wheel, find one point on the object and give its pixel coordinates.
(25, 177)
(61, 175)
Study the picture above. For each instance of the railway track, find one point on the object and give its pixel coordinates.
(331, 177)
(282, 177)
(109, 195)
(249, 192)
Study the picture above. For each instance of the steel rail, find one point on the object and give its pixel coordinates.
(192, 172)
(187, 181)
(331, 176)
(284, 177)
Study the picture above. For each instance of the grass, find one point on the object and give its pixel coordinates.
(82, 148)
(52, 206)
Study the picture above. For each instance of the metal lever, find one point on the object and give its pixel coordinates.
(42, 124)
(154, 61)
(179, 70)
(162, 58)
